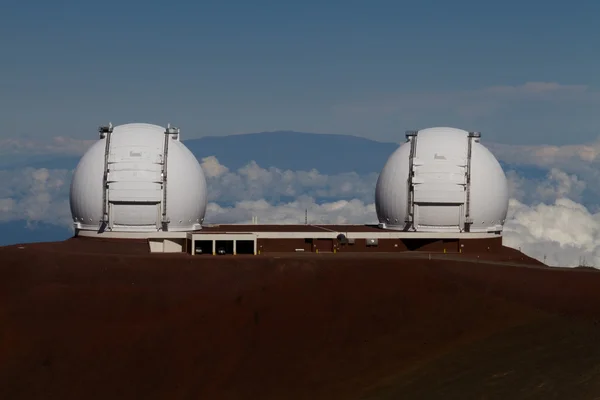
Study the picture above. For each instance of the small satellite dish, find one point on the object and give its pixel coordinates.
(342, 238)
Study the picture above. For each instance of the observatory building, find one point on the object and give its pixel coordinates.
(442, 180)
(138, 181)
(442, 191)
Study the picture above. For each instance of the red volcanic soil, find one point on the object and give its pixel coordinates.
(105, 320)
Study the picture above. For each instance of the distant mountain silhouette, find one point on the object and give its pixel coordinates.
(329, 154)
(287, 150)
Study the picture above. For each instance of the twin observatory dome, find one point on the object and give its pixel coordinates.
(141, 178)
(442, 179)
(138, 178)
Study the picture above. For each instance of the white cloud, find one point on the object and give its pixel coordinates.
(547, 222)
(580, 163)
(546, 155)
(7, 205)
(35, 195)
(557, 184)
(212, 168)
(253, 182)
(337, 212)
(562, 233)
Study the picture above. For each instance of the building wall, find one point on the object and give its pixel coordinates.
(282, 245)
(324, 245)
(383, 245)
(491, 245)
(400, 245)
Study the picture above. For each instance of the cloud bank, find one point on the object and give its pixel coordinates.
(563, 233)
(546, 218)
(253, 182)
(35, 195)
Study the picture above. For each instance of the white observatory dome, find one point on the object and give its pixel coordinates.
(138, 178)
(442, 180)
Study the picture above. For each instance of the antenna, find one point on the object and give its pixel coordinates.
(306, 216)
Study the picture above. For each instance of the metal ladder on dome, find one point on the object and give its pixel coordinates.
(411, 136)
(105, 133)
(473, 136)
(170, 132)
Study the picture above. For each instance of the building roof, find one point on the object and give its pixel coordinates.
(292, 228)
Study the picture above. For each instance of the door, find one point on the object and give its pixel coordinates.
(441, 216)
(324, 245)
(135, 187)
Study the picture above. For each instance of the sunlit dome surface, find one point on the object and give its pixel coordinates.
(138, 178)
(456, 184)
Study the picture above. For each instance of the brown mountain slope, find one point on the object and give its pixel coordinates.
(82, 319)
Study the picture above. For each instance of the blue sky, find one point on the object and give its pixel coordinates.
(368, 68)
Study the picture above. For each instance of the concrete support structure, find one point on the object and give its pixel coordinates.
(333, 241)
(263, 239)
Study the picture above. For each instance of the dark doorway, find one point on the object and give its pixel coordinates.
(244, 247)
(422, 244)
(224, 247)
(203, 247)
